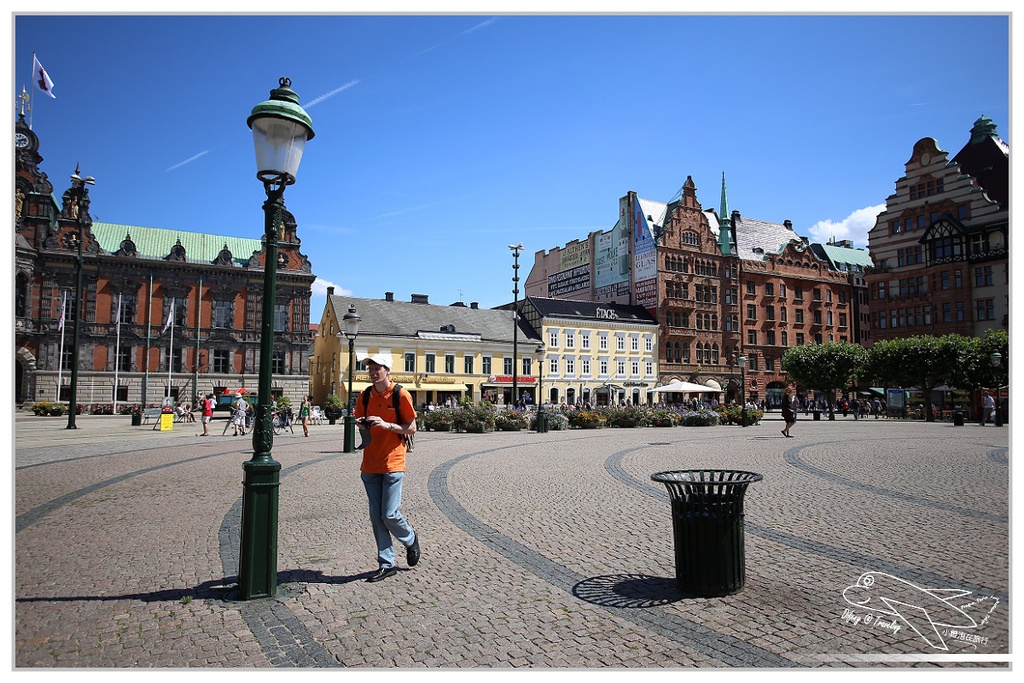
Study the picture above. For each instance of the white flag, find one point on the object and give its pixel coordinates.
(170, 318)
(41, 78)
(63, 308)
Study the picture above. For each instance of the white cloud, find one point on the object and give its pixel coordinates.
(854, 227)
(320, 286)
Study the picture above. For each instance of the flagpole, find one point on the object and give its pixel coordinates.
(30, 91)
(117, 349)
(60, 361)
(170, 353)
(199, 331)
(149, 330)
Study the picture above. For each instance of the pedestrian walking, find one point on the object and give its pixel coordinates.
(305, 410)
(207, 405)
(788, 412)
(383, 467)
(988, 409)
(241, 410)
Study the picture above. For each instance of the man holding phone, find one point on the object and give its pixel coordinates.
(383, 467)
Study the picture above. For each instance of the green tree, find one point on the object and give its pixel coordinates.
(924, 362)
(824, 367)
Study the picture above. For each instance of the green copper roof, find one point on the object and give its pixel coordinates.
(156, 243)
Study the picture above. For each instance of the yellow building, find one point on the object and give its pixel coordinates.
(597, 353)
(441, 353)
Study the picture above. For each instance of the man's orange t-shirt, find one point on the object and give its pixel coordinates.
(386, 450)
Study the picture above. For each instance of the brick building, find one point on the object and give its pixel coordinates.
(132, 348)
(719, 284)
(940, 248)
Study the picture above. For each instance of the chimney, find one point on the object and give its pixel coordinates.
(420, 299)
(474, 305)
(788, 223)
(330, 291)
(735, 216)
(389, 296)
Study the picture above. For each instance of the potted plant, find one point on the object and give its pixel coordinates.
(440, 420)
(586, 419)
(474, 419)
(333, 408)
(664, 418)
(511, 420)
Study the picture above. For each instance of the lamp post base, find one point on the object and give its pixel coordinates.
(257, 562)
(350, 433)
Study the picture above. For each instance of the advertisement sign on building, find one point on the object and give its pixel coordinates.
(645, 261)
(574, 270)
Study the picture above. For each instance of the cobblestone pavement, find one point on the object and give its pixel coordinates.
(539, 550)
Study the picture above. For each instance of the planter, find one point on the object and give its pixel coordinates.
(442, 428)
(510, 428)
(478, 429)
(589, 425)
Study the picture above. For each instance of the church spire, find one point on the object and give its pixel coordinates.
(725, 242)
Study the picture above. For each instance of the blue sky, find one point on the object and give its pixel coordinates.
(442, 139)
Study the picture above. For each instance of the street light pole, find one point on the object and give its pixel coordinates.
(79, 194)
(516, 248)
(351, 320)
(280, 130)
(742, 362)
(996, 359)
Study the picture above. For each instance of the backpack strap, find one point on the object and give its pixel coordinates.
(396, 397)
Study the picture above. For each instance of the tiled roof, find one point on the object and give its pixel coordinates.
(565, 308)
(753, 234)
(156, 243)
(405, 319)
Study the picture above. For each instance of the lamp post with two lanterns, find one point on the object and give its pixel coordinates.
(351, 320)
(741, 361)
(78, 196)
(280, 129)
(996, 359)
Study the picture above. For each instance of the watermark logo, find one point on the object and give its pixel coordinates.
(889, 603)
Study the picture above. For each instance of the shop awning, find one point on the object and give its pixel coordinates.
(428, 386)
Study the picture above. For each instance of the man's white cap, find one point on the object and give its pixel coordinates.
(378, 358)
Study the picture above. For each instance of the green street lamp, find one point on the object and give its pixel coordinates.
(79, 194)
(742, 362)
(280, 129)
(996, 359)
(351, 320)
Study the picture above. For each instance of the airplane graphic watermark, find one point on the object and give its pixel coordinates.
(892, 603)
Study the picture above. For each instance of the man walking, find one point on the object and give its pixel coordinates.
(207, 413)
(987, 409)
(383, 467)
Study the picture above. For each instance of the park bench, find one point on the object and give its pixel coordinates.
(150, 414)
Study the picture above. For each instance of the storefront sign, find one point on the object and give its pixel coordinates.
(503, 379)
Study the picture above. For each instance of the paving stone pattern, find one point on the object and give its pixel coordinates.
(539, 550)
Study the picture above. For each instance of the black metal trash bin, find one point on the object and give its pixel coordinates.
(136, 419)
(958, 418)
(707, 523)
(542, 421)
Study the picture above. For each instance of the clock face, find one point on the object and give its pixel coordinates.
(20, 140)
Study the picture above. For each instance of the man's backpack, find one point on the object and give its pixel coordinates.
(396, 396)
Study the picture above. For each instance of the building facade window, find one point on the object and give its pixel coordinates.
(222, 314)
(429, 363)
(221, 361)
